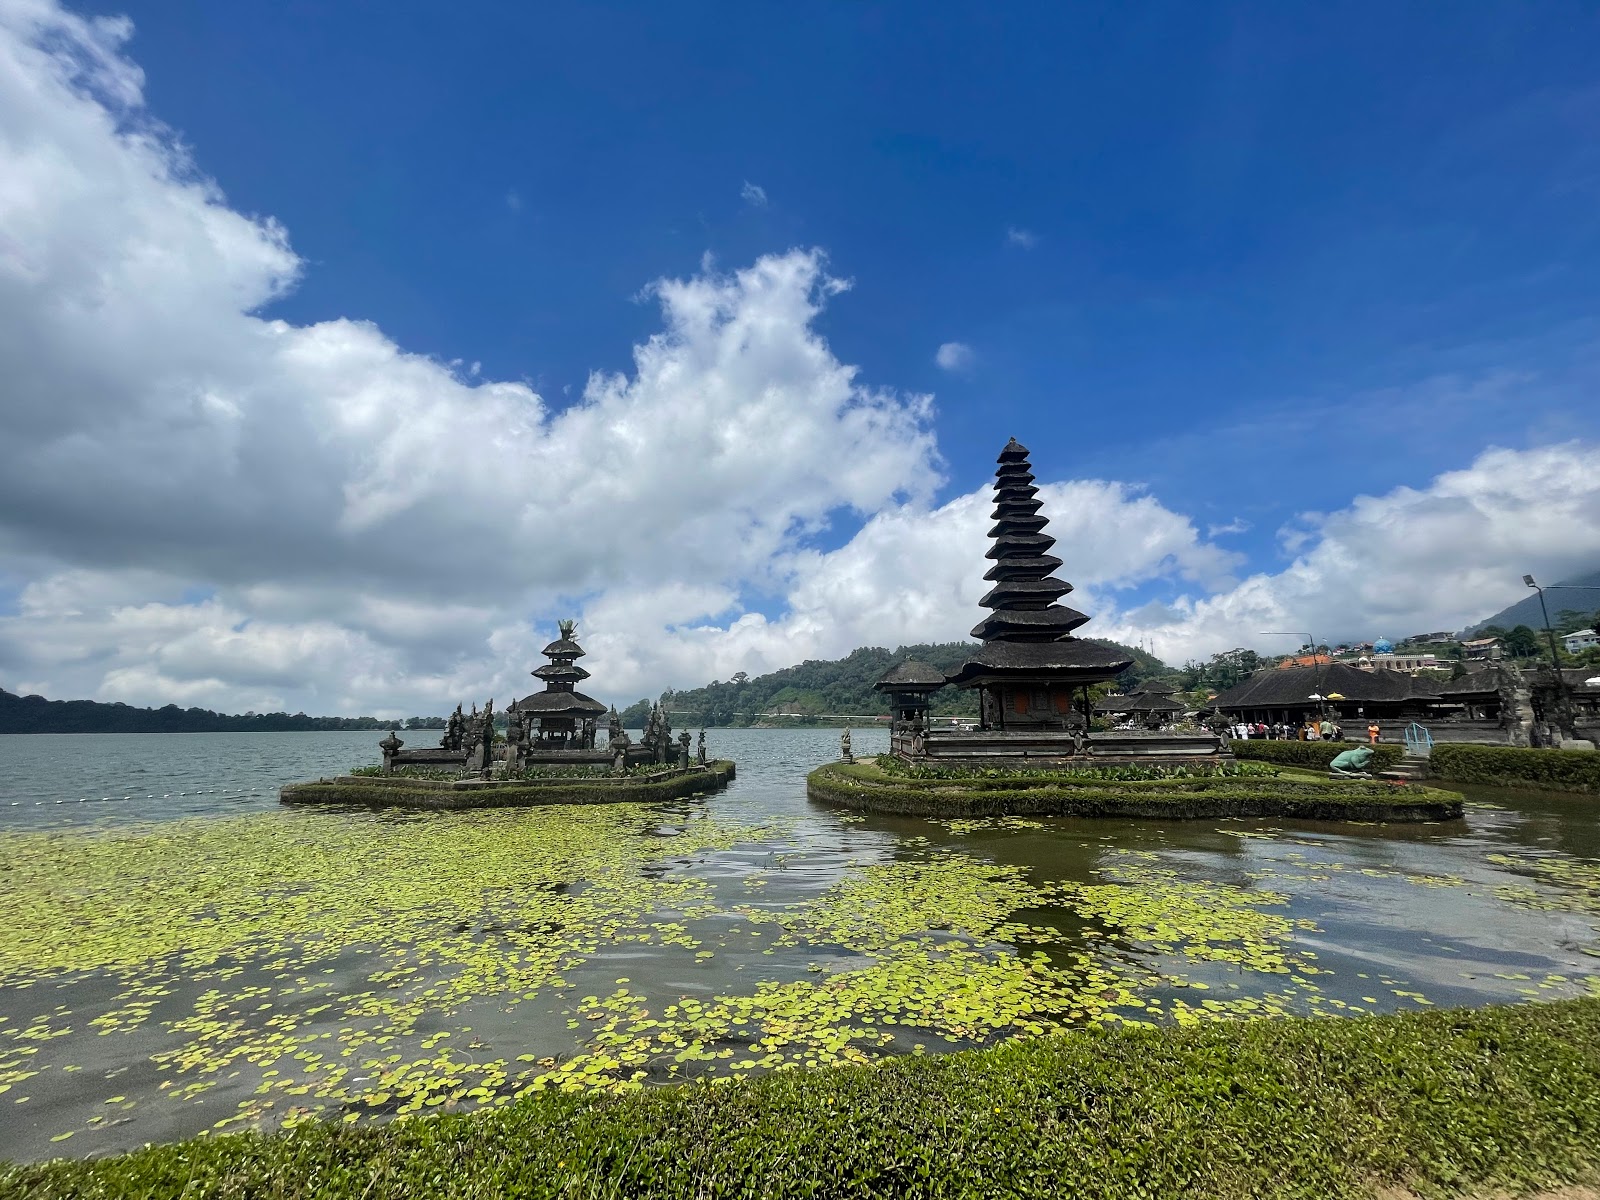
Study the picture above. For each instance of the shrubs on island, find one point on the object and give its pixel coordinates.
(637, 785)
(890, 764)
(1316, 755)
(1515, 766)
(1502, 1100)
(534, 773)
(1255, 793)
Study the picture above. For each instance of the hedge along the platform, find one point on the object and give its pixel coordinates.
(1502, 1100)
(400, 792)
(1515, 766)
(1166, 799)
(1312, 754)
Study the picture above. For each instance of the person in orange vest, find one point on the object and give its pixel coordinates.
(1372, 733)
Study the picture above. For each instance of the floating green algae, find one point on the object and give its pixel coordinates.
(280, 967)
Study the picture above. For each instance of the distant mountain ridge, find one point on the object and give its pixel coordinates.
(840, 686)
(1557, 598)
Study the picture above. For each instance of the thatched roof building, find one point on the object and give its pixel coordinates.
(1286, 694)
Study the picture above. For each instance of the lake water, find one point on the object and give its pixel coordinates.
(181, 954)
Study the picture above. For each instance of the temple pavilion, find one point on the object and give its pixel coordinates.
(1151, 705)
(1031, 673)
(1029, 665)
(565, 717)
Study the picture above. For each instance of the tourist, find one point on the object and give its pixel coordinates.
(1373, 733)
(1325, 729)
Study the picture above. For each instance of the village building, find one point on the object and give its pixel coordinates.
(1582, 639)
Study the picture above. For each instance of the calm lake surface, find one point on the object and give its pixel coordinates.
(180, 954)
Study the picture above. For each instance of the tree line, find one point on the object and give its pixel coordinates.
(35, 714)
(839, 686)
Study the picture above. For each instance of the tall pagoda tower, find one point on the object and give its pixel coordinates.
(1029, 665)
(566, 716)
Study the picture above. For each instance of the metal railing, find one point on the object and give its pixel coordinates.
(1418, 740)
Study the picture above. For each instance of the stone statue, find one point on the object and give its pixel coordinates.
(700, 751)
(844, 747)
(1352, 764)
(619, 750)
(614, 724)
(514, 734)
(990, 708)
(390, 747)
(683, 751)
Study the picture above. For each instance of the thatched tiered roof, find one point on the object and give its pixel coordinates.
(1027, 635)
(913, 675)
(561, 675)
(1150, 698)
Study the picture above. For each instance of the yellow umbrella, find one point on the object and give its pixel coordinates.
(1335, 696)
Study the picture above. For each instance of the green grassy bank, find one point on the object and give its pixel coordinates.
(1513, 766)
(1451, 1102)
(1043, 793)
(399, 791)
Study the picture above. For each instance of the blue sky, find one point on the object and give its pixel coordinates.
(1237, 213)
(1257, 260)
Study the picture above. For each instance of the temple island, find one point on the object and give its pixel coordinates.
(1035, 751)
(549, 754)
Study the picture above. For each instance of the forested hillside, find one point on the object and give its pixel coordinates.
(841, 686)
(35, 714)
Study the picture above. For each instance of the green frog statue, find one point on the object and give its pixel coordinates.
(1352, 764)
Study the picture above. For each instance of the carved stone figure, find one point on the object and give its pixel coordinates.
(390, 747)
(683, 751)
(620, 742)
(989, 706)
(1352, 764)
(700, 750)
(844, 747)
(515, 746)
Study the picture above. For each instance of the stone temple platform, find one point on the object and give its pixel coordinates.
(1004, 748)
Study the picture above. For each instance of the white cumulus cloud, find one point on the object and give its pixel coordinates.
(954, 356)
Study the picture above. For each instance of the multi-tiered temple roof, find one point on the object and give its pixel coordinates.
(1027, 636)
(561, 676)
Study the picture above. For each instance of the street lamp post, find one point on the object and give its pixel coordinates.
(1563, 709)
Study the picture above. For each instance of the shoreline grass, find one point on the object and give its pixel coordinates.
(1446, 1102)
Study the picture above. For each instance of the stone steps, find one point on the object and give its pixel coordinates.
(1412, 766)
